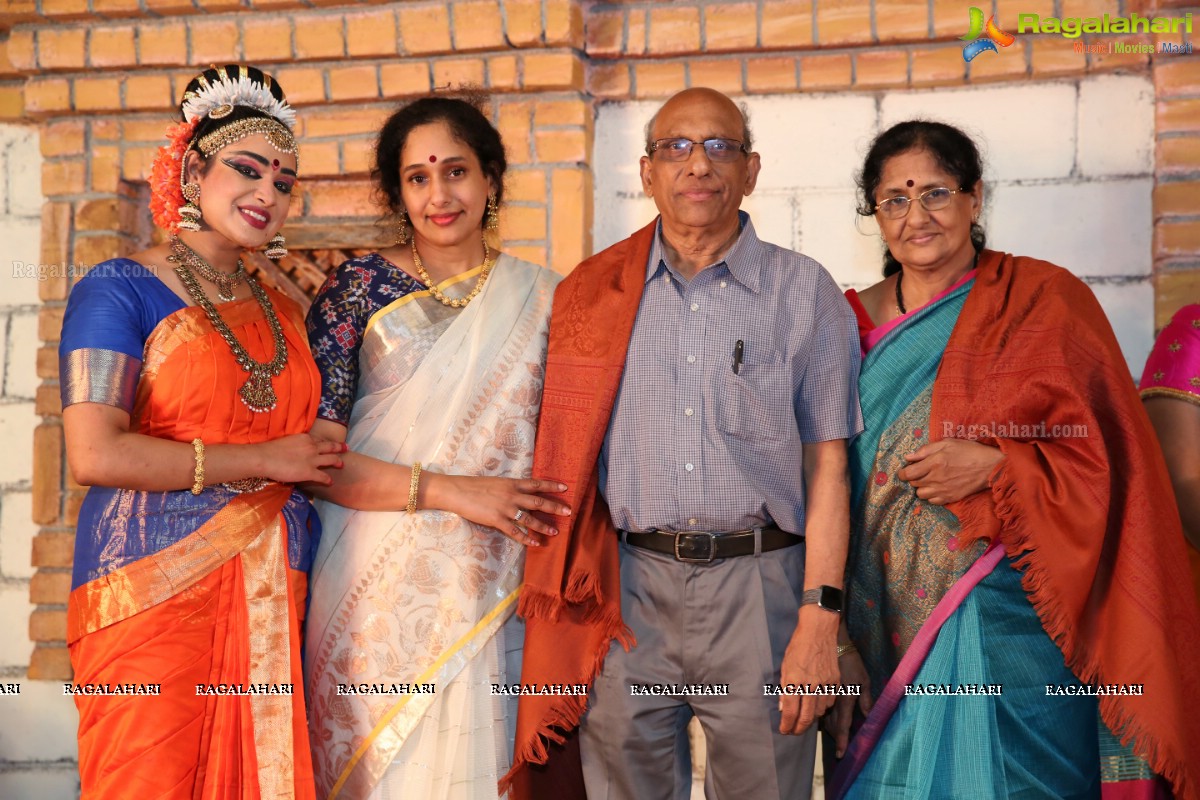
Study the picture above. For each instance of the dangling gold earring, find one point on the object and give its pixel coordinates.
(275, 249)
(492, 222)
(402, 228)
(189, 213)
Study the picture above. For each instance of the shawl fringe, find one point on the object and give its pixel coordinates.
(1016, 536)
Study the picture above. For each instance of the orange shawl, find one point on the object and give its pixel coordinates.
(1091, 518)
(571, 600)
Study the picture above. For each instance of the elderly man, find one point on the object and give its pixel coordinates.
(700, 389)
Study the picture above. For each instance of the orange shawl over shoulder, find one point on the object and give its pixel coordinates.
(571, 600)
(1088, 515)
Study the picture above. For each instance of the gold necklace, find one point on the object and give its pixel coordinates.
(226, 284)
(437, 293)
(257, 392)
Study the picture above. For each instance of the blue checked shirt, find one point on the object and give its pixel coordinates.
(694, 446)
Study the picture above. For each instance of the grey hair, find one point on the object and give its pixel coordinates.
(747, 135)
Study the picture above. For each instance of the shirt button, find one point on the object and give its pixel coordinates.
(687, 412)
(692, 521)
(691, 359)
(724, 284)
(695, 306)
(688, 467)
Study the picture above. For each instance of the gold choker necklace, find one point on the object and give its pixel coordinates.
(437, 293)
(226, 284)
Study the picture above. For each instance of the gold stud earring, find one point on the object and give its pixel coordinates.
(275, 249)
(189, 213)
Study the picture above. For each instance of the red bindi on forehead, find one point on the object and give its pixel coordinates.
(910, 183)
(433, 159)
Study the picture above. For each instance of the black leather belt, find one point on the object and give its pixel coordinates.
(701, 547)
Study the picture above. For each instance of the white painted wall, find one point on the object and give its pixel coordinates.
(1069, 174)
(37, 726)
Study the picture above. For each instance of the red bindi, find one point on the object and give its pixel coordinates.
(433, 159)
(910, 183)
(275, 163)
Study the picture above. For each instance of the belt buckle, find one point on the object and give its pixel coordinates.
(693, 537)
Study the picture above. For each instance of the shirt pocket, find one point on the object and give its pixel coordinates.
(756, 403)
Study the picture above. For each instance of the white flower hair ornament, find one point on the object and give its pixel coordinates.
(215, 97)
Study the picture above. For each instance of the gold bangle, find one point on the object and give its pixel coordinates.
(413, 484)
(849, 647)
(198, 474)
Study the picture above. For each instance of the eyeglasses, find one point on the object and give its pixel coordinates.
(933, 199)
(717, 149)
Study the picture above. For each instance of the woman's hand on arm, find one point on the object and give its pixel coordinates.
(950, 470)
(102, 451)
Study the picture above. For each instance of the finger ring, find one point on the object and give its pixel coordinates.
(520, 515)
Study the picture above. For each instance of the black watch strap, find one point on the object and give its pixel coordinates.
(827, 597)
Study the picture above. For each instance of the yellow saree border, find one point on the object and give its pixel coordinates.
(424, 677)
(155, 578)
(264, 575)
(446, 284)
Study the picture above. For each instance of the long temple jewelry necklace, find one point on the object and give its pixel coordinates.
(257, 392)
(226, 284)
(899, 296)
(437, 293)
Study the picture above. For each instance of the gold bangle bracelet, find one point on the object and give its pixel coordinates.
(198, 473)
(413, 485)
(849, 647)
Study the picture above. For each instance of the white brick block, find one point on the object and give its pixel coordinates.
(1130, 310)
(16, 534)
(15, 647)
(17, 422)
(41, 783)
(1116, 125)
(1092, 228)
(22, 246)
(20, 373)
(845, 244)
(774, 217)
(1024, 132)
(49, 724)
(24, 173)
(811, 141)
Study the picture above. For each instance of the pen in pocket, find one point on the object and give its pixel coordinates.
(739, 351)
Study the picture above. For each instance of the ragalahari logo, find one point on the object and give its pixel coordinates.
(984, 37)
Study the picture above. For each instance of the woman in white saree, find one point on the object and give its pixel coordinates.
(431, 371)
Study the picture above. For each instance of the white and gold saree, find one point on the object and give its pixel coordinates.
(409, 615)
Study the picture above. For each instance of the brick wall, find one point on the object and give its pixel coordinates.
(96, 80)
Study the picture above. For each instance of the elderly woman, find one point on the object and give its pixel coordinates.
(1170, 389)
(1011, 542)
(431, 355)
(188, 393)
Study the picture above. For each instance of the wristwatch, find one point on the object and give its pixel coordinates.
(826, 597)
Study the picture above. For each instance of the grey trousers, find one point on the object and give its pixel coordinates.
(724, 623)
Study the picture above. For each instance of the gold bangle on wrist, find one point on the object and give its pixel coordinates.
(413, 484)
(849, 647)
(198, 473)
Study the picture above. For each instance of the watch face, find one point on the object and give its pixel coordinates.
(830, 598)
